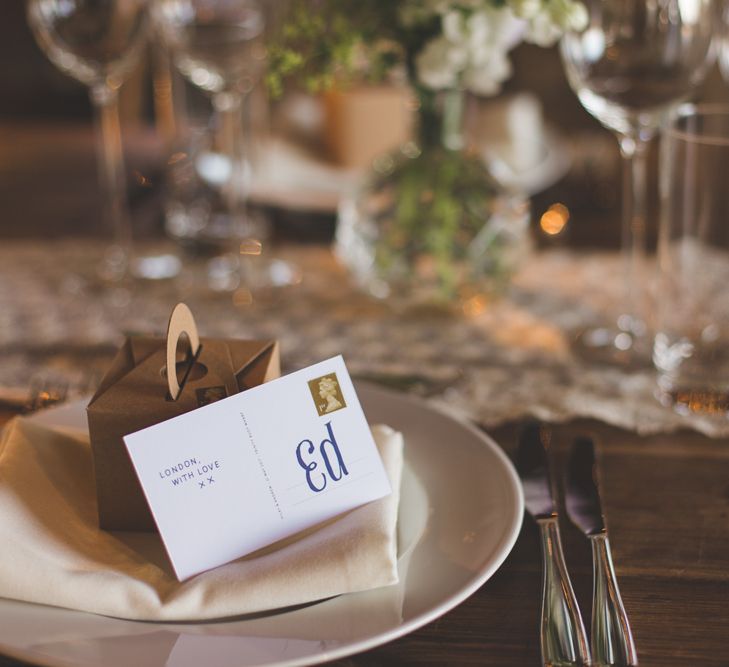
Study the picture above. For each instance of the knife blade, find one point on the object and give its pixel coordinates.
(562, 632)
(612, 639)
(582, 498)
(533, 467)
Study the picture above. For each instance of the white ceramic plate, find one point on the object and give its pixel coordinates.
(460, 513)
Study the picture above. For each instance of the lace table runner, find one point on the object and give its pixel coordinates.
(495, 360)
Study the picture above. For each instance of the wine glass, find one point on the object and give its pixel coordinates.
(630, 67)
(98, 43)
(722, 40)
(219, 46)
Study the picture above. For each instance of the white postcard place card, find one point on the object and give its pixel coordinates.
(237, 475)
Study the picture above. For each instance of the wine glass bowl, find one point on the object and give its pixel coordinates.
(636, 60)
(218, 46)
(94, 42)
(722, 41)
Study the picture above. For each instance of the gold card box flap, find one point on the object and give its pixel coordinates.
(134, 395)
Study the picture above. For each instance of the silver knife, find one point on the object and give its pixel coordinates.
(612, 639)
(563, 638)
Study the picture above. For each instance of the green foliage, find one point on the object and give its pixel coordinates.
(438, 222)
(328, 41)
(323, 41)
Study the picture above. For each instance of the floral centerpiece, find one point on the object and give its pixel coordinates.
(430, 221)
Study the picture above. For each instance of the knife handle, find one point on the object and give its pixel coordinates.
(612, 638)
(563, 637)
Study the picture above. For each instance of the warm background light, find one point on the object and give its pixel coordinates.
(554, 219)
(251, 247)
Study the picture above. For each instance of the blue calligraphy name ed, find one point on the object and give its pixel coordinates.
(328, 450)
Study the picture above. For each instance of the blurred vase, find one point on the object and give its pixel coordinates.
(430, 225)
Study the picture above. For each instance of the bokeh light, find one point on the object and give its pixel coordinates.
(554, 219)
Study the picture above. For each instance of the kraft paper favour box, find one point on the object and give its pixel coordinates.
(135, 394)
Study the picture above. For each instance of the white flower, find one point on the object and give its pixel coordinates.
(476, 36)
(577, 18)
(453, 26)
(487, 78)
(439, 64)
(527, 9)
(496, 26)
(471, 50)
(542, 31)
(546, 26)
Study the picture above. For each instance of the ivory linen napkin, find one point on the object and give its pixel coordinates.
(54, 553)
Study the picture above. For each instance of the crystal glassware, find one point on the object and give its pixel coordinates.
(633, 63)
(98, 43)
(219, 46)
(691, 347)
(722, 40)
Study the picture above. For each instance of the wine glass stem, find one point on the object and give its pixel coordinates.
(229, 107)
(633, 152)
(105, 101)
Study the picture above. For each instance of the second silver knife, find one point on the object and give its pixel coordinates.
(612, 639)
